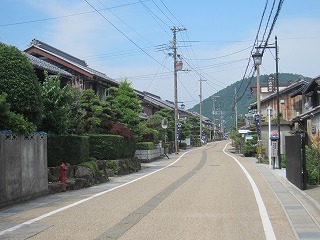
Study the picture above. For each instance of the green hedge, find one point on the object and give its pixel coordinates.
(70, 149)
(183, 145)
(129, 148)
(75, 149)
(145, 146)
(108, 147)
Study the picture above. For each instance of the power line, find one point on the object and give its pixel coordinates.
(163, 13)
(126, 23)
(274, 2)
(125, 53)
(124, 34)
(171, 13)
(273, 24)
(249, 59)
(223, 56)
(69, 15)
(155, 17)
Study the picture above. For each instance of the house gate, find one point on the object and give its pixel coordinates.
(296, 161)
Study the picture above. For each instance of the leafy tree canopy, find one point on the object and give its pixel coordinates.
(13, 121)
(57, 105)
(19, 81)
(125, 105)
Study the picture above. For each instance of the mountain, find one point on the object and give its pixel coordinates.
(224, 99)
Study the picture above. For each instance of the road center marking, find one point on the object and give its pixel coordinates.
(268, 230)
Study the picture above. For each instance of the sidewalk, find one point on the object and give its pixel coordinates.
(301, 207)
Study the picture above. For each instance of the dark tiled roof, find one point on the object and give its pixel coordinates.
(36, 42)
(311, 85)
(309, 114)
(298, 91)
(292, 86)
(157, 101)
(287, 89)
(73, 60)
(41, 64)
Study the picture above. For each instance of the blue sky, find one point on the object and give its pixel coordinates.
(132, 38)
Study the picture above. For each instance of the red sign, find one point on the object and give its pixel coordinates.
(179, 65)
(274, 134)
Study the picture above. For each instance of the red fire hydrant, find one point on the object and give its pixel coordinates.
(63, 173)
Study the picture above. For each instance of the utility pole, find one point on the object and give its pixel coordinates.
(221, 123)
(278, 104)
(236, 108)
(174, 43)
(214, 115)
(201, 110)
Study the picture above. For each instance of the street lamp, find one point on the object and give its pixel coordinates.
(257, 58)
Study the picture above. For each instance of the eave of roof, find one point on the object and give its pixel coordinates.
(157, 101)
(299, 91)
(306, 115)
(311, 85)
(43, 45)
(293, 85)
(41, 64)
(75, 64)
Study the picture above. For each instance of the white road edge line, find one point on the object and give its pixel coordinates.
(268, 230)
(84, 200)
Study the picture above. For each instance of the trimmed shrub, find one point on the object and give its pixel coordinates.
(145, 146)
(106, 146)
(69, 149)
(249, 150)
(183, 145)
(129, 148)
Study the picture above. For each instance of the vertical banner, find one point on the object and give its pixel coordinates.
(271, 83)
(257, 122)
(178, 130)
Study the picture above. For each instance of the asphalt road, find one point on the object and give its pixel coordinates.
(204, 193)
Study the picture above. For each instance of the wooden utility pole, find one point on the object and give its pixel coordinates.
(214, 116)
(236, 109)
(201, 110)
(174, 46)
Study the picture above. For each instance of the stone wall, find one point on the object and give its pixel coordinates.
(149, 155)
(23, 167)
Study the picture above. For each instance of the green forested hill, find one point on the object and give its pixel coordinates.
(225, 101)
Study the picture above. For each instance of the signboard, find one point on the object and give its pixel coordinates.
(178, 130)
(274, 135)
(271, 83)
(257, 122)
(274, 149)
(179, 65)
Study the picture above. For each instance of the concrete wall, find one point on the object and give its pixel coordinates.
(23, 167)
(284, 129)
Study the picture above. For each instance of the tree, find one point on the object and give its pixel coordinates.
(19, 81)
(125, 105)
(13, 121)
(88, 113)
(57, 105)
